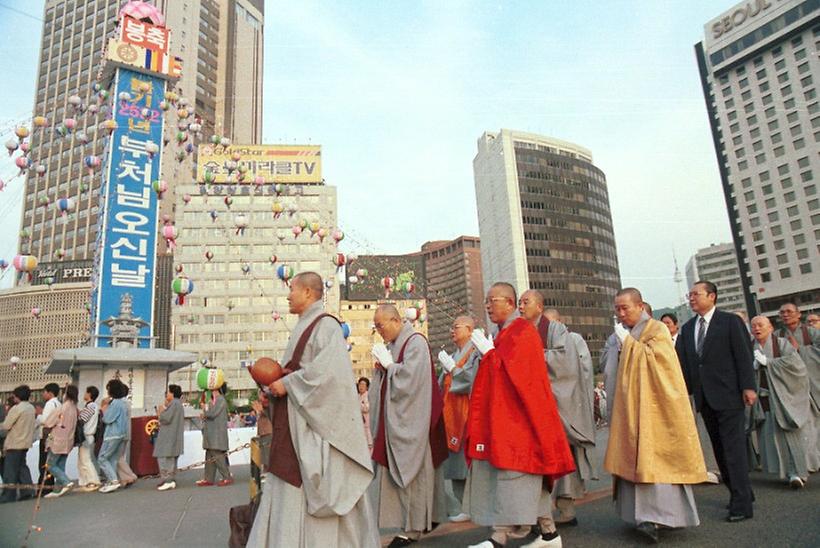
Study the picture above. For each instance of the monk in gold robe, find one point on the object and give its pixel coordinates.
(653, 454)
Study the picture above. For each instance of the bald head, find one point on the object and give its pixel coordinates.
(388, 311)
(531, 305)
(761, 328)
(552, 315)
(503, 289)
(388, 322)
(500, 302)
(311, 281)
(633, 294)
(306, 288)
(461, 330)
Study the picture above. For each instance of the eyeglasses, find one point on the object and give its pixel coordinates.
(458, 326)
(695, 294)
(489, 300)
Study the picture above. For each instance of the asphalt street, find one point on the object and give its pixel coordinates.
(198, 517)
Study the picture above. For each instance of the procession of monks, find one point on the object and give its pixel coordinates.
(504, 434)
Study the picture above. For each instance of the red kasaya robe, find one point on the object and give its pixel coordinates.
(514, 422)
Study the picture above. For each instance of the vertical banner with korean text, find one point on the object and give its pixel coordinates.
(127, 253)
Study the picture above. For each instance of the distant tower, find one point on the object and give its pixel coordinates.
(678, 278)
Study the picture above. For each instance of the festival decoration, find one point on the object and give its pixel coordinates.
(228, 201)
(36, 311)
(296, 231)
(182, 286)
(276, 316)
(11, 146)
(65, 205)
(160, 186)
(92, 163)
(387, 284)
(273, 259)
(284, 273)
(14, 361)
(240, 220)
(338, 236)
(170, 233)
(277, 209)
(339, 260)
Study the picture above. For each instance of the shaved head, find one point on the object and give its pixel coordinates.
(388, 322)
(465, 320)
(536, 296)
(531, 305)
(503, 289)
(761, 328)
(461, 330)
(552, 315)
(311, 281)
(634, 295)
(388, 311)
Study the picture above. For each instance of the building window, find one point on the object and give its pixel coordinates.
(785, 273)
(765, 277)
(805, 268)
(796, 225)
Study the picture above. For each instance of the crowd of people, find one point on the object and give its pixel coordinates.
(101, 434)
(502, 432)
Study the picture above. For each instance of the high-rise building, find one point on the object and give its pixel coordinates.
(35, 320)
(233, 240)
(758, 66)
(452, 270)
(545, 224)
(220, 45)
(718, 264)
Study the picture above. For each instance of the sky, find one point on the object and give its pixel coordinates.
(398, 93)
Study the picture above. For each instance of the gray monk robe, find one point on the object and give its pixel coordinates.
(329, 508)
(808, 345)
(455, 467)
(571, 376)
(782, 411)
(408, 493)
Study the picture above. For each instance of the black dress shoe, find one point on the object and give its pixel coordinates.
(734, 518)
(571, 523)
(400, 541)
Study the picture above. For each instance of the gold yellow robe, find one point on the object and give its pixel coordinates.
(652, 437)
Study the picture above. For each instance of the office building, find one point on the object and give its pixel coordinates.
(452, 271)
(232, 241)
(35, 320)
(759, 70)
(545, 224)
(718, 264)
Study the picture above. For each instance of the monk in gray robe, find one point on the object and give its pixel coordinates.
(782, 410)
(571, 377)
(319, 469)
(170, 442)
(408, 431)
(215, 439)
(806, 339)
(456, 381)
(649, 409)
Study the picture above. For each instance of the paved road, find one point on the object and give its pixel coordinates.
(198, 517)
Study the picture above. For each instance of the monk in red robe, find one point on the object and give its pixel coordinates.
(515, 439)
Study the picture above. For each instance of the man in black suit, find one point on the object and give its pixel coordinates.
(715, 353)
